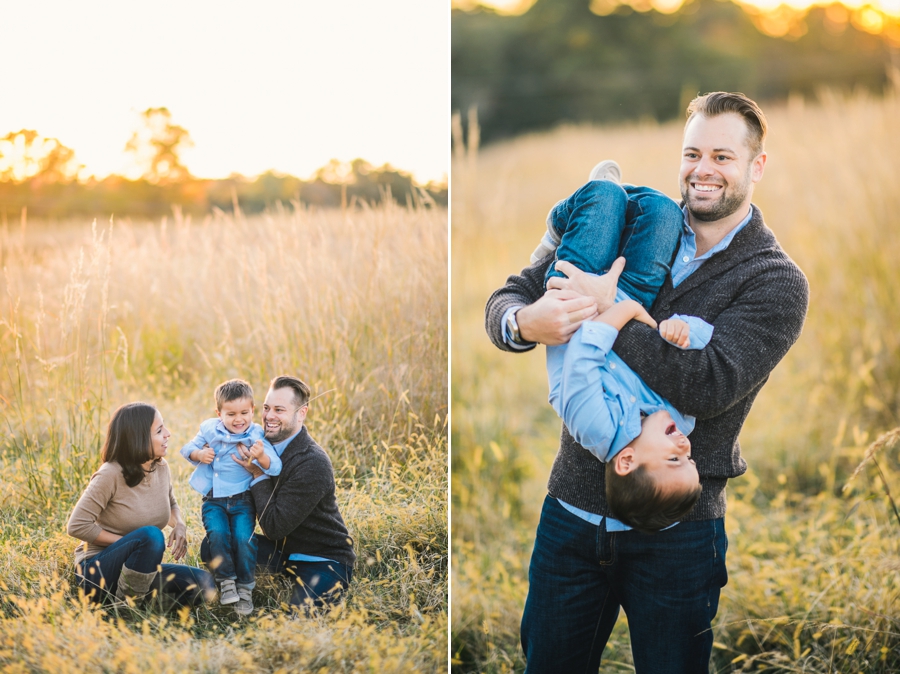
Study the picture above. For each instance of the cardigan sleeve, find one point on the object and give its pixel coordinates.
(301, 486)
(520, 290)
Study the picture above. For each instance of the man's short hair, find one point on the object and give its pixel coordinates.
(233, 389)
(300, 388)
(721, 102)
(636, 500)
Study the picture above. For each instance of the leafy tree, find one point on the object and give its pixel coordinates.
(26, 155)
(157, 145)
(603, 61)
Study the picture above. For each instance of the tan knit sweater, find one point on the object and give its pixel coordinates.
(111, 505)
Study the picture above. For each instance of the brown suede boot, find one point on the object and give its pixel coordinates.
(133, 584)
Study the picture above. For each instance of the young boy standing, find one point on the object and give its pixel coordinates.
(228, 512)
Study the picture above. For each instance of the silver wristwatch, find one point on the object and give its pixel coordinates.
(512, 328)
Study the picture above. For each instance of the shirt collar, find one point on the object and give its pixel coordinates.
(220, 427)
(723, 244)
(281, 446)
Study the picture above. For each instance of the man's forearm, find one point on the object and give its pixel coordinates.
(520, 290)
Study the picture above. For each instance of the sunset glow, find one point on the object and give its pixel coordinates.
(778, 18)
(277, 85)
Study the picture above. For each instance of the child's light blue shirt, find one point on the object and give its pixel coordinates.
(599, 397)
(224, 476)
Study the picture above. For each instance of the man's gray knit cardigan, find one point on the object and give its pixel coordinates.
(756, 299)
(298, 510)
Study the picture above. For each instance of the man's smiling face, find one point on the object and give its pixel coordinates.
(718, 169)
(281, 416)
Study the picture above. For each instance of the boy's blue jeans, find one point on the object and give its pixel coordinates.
(229, 522)
(142, 551)
(668, 583)
(603, 220)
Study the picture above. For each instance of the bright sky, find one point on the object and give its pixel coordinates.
(273, 84)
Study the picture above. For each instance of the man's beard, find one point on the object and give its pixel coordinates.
(710, 211)
(283, 432)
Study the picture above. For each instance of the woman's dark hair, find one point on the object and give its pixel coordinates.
(128, 440)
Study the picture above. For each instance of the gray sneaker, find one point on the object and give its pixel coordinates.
(228, 593)
(607, 170)
(546, 247)
(550, 240)
(244, 605)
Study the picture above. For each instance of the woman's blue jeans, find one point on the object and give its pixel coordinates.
(668, 583)
(142, 551)
(603, 220)
(229, 522)
(316, 584)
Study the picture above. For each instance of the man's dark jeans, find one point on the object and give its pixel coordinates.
(229, 522)
(142, 551)
(668, 584)
(315, 584)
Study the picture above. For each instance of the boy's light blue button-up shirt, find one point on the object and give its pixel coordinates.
(586, 371)
(224, 477)
(685, 264)
(599, 397)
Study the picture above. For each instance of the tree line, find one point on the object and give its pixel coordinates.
(42, 176)
(563, 62)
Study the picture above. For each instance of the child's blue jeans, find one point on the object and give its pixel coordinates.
(603, 220)
(229, 522)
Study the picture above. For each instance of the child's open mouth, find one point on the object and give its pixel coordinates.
(671, 429)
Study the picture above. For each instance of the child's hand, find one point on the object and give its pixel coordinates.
(256, 450)
(676, 332)
(205, 455)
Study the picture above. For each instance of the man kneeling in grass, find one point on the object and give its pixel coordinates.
(304, 535)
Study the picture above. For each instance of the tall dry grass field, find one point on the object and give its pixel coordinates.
(814, 570)
(354, 302)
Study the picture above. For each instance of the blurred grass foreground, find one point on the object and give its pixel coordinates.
(814, 570)
(353, 301)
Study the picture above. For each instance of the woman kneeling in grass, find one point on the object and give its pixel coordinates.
(121, 514)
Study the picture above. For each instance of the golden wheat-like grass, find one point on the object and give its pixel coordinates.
(93, 316)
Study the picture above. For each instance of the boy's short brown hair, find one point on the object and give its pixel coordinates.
(636, 500)
(233, 389)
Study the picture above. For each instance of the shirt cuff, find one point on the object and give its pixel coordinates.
(259, 479)
(599, 334)
(507, 338)
(700, 331)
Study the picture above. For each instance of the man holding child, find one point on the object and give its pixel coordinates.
(729, 272)
(304, 535)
